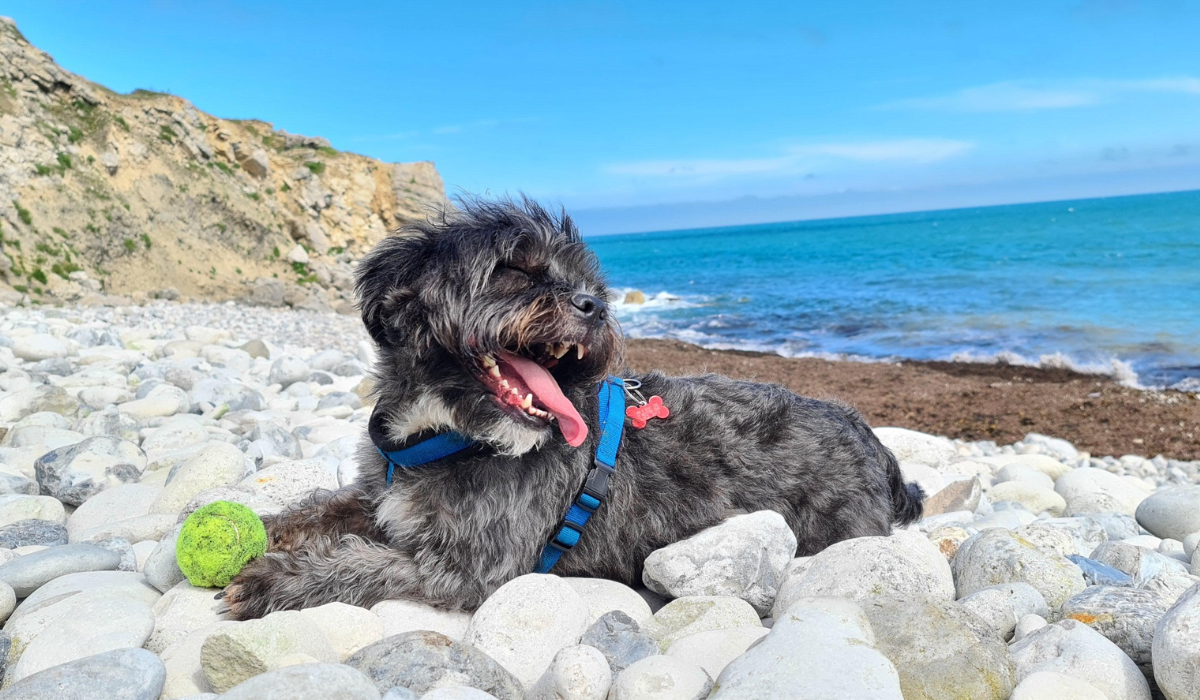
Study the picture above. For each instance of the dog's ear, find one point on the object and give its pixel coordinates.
(386, 282)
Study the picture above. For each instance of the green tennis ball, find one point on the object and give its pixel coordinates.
(216, 541)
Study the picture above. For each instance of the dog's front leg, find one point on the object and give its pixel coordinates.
(352, 570)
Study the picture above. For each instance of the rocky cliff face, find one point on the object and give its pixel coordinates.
(108, 194)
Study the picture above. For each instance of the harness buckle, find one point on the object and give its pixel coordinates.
(596, 485)
(565, 546)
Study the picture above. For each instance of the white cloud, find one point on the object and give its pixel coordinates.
(1019, 96)
(798, 158)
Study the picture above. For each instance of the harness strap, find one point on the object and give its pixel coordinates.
(595, 489)
(437, 447)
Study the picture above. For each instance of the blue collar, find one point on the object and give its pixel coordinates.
(595, 488)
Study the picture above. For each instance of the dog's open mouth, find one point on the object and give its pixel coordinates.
(526, 389)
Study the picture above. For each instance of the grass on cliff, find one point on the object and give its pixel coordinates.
(23, 214)
(316, 166)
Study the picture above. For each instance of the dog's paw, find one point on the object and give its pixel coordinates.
(249, 594)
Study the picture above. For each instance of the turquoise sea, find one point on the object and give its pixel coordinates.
(1104, 285)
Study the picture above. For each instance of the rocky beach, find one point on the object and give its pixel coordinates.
(1040, 570)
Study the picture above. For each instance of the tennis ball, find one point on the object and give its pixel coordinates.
(218, 540)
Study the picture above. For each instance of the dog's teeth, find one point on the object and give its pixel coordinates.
(488, 361)
(527, 402)
(504, 384)
(494, 371)
(580, 351)
(559, 350)
(515, 392)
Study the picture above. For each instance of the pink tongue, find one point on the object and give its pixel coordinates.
(543, 386)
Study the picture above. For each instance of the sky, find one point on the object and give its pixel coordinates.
(654, 115)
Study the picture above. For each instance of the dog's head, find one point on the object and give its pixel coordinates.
(492, 320)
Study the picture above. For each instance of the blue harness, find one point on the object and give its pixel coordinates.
(595, 488)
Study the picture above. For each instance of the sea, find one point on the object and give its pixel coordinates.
(1107, 286)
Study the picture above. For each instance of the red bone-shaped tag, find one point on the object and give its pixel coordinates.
(652, 409)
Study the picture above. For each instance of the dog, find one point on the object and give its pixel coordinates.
(493, 321)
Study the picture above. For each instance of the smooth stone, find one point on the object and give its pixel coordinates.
(1024, 473)
(400, 616)
(457, 693)
(320, 681)
(712, 650)
(1072, 648)
(993, 557)
(603, 596)
(24, 402)
(692, 614)
(576, 673)
(524, 623)
(347, 628)
(620, 639)
(8, 603)
(217, 464)
(422, 661)
(14, 507)
(236, 653)
(1191, 543)
(120, 624)
(221, 392)
(912, 446)
(940, 649)
(819, 648)
(288, 482)
(743, 557)
(41, 438)
(1172, 512)
(1028, 624)
(1170, 585)
(288, 370)
(1036, 499)
(163, 400)
(185, 676)
(662, 678)
(109, 584)
(948, 539)
(255, 501)
(1125, 616)
(181, 611)
(1048, 685)
(122, 674)
(906, 563)
(39, 346)
(1100, 574)
(1139, 563)
(75, 473)
(174, 434)
(110, 506)
(1117, 526)
(1176, 648)
(33, 532)
(162, 568)
(28, 573)
(1091, 490)
(1002, 606)
(1004, 519)
(1065, 536)
(927, 478)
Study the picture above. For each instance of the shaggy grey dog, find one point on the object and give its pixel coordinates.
(493, 322)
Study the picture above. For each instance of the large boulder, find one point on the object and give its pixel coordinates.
(1172, 512)
(996, 556)
(1072, 648)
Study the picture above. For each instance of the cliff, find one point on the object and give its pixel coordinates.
(143, 194)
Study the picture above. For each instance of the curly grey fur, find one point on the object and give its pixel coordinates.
(499, 275)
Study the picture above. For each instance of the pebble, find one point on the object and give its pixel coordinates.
(662, 678)
(1023, 473)
(994, 557)
(162, 569)
(119, 624)
(1003, 605)
(122, 674)
(39, 346)
(1048, 685)
(185, 676)
(524, 623)
(217, 464)
(819, 648)
(347, 628)
(906, 563)
(940, 648)
(1036, 499)
(313, 681)
(236, 653)
(620, 639)
(1072, 648)
(1140, 563)
(576, 673)
(32, 532)
(1176, 648)
(101, 584)
(712, 650)
(8, 602)
(684, 616)
(1065, 536)
(742, 557)
(603, 596)
(288, 370)
(288, 482)
(912, 446)
(1125, 616)
(162, 400)
(957, 495)
(1172, 512)
(181, 611)
(399, 616)
(1090, 490)
(75, 473)
(423, 660)
(14, 507)
(1027, 624)
(28, 573)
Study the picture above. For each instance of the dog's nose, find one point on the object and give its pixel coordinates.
(589, 307)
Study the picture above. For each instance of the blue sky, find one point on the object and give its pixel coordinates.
(642, 115)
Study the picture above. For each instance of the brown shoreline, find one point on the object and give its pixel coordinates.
(964, 400)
